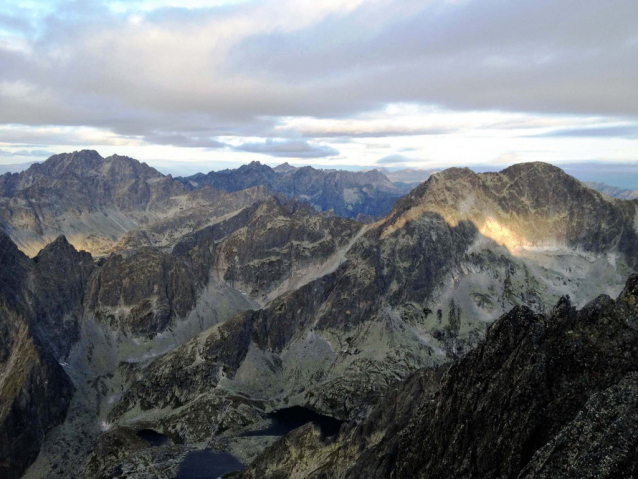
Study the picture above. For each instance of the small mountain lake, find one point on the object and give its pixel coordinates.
(155, 438)
(208, 464)
(285, 420)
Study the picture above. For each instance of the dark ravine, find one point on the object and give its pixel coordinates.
(552, 395)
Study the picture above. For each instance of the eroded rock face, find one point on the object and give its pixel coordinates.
(197, 210)
(543, 396)
(415, 290)
(256, 251)
(280, 241)
(34, 390)
(90, 199)
(526, 206)
(171, 337)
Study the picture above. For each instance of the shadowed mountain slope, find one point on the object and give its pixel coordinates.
(552, 395)
(418, 289)
(38, 318)
(169, 333)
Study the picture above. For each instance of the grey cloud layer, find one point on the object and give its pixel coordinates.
(289, 149)
(393, 159)
(27, 153)
(627, 132)
(91, 67)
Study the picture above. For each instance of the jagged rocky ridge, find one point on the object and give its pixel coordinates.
(96, 317)
(368, 194)
(90, 199)
(553, 395)
(116, 314)
(109, 204)
(347, 310)
(417, 289)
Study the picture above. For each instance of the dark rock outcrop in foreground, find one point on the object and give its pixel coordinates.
(543, 396)
(34, 389)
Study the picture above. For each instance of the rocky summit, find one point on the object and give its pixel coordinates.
(210, 313)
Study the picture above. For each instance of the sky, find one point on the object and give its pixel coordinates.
(330, 83)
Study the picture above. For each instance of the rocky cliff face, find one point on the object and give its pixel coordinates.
(259, 251)
(200, 326)
(542, 396)
(34, 390)
(91, 200)
(118, 313)
(349, 194)
(415, 290)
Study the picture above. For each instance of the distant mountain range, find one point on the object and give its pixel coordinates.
(15, 167)
(613, 191)
(349, 194)
(408, 177)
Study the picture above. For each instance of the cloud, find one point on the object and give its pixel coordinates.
(288, 149)
(394, 159)
(624, 131)
(28, 153)
(149, 73)
(278, 58)
(363, 130)
(176, 139)
(493, 54)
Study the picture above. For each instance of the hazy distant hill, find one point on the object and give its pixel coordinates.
(15, 167)
(349, 194)
(614, 191)
(408, 176)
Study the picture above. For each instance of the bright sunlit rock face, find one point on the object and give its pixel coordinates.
(494, 230)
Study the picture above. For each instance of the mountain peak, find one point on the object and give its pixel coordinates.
(535, 170)
(7, 248)
(77, 163)
(520, 207)
(60, 246)
(284, 168)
